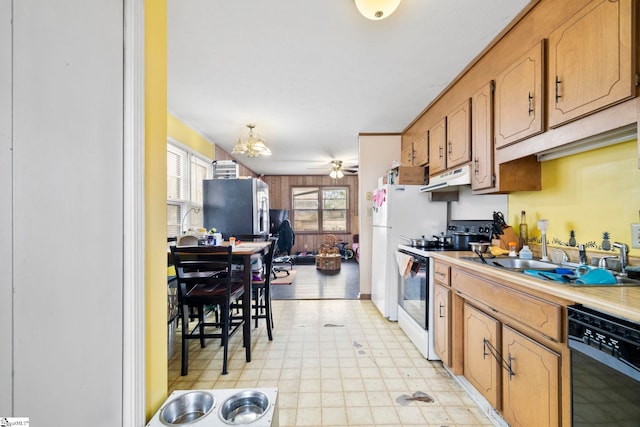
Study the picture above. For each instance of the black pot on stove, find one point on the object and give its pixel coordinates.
(461, 239)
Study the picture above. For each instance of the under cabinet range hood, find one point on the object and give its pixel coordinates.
(446, 180)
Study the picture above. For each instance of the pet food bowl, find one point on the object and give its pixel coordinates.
(244, 407)
(187, 408)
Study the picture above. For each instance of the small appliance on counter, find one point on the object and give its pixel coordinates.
(463, 232)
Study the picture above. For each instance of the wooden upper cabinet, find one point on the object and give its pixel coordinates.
(459, 135)
(519, 98)
(590, 61)
(438, 147)
(415, 153)
(482, 138)
(421, 150)
(406, 155)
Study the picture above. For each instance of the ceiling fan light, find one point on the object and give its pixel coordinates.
(377, 9)
(333, 174)
(339, 174)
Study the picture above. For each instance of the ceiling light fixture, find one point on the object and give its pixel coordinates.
(253, 146)
(376, 9)
(336, 169)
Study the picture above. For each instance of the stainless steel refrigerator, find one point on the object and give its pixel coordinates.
(236, 207)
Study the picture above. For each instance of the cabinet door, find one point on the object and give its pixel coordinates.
(590, 60)
(482, 138)
(437, 147)
(530, 388)
(406, 155)
(481, 341)
(442, 323)
(519, 98)
(421, 151)
(459, 135)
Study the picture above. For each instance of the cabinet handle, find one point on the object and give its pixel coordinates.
(476, 166)
(440, 310)
(489, 349)
(509, 367)
(530, 103)
(558, 96)
(439, 151)
(440, 275)
(450, 147)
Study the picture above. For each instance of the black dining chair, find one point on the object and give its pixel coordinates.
(262, 291)
(205, 279)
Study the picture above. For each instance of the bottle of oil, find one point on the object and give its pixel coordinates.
(524, 230)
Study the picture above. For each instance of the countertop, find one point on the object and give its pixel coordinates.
(617, 300)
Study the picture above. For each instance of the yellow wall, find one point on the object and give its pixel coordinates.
(155, 203)
(189, 137)
(590, 193)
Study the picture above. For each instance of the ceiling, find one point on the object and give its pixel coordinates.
(313, 74)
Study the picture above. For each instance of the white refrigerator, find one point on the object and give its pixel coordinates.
(398, 210)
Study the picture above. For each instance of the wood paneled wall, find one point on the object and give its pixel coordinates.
(280, 198)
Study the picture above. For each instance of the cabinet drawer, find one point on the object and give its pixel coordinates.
(541, 315)
(441, 273)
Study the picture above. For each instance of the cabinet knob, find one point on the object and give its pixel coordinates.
(530, 103)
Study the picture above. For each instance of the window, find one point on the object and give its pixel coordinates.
(320, 209)
(185, 172)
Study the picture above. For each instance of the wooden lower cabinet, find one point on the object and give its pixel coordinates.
(442, 323)
(518, 376)
(481, 338)
(530, 388)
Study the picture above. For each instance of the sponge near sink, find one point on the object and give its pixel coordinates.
(497, 251)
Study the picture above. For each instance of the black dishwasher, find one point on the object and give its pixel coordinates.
(605, 368)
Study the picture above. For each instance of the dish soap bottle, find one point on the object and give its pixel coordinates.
(524, 230)
(525, 252)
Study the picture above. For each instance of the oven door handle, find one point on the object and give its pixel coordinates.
(619, 365)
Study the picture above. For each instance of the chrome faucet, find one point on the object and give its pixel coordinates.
(603, 261)
(624, 251)
(565, 257)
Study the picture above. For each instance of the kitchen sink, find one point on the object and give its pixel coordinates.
(547, 271)
(517, 264)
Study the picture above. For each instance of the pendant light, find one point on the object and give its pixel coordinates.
(253, 146)
(376, 9)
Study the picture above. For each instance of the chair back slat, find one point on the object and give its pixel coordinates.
(202, 265)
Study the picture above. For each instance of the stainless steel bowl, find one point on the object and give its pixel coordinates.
(244, 407)
(479, 246)
(187, 408)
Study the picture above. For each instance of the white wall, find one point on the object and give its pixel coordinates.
(5, 208)
(376, 152)
(481, 206)
(64, 207)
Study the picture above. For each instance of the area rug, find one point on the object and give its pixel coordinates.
(283, 278)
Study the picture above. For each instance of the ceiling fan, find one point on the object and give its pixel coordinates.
(336, 166)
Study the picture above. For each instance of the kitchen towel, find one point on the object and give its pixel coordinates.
(404, 264)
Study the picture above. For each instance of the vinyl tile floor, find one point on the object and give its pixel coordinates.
(335, 363)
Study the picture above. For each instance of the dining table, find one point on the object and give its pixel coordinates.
(242, 254)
